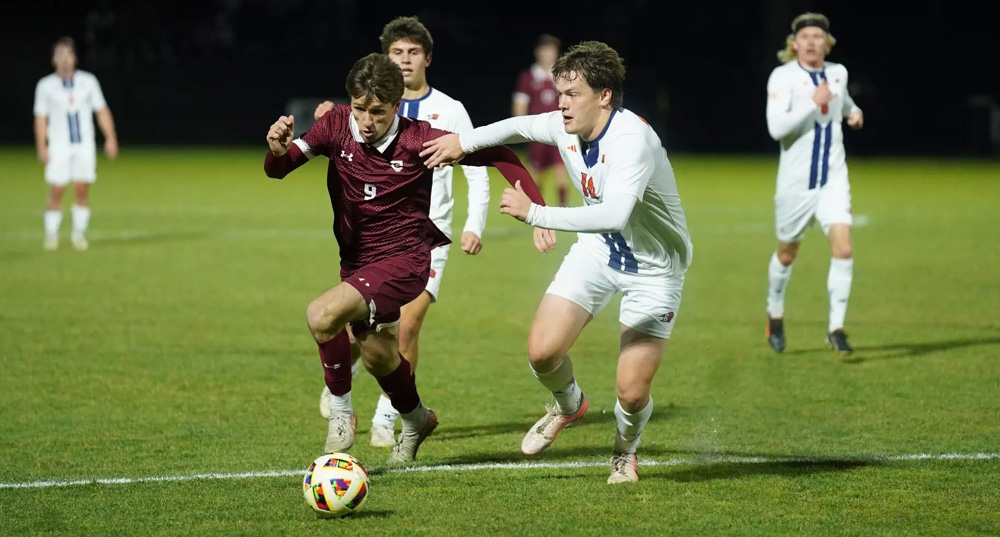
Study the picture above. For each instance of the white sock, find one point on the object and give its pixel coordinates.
(52, 221)
(341, 404)
(777, 279)
(385, 414)
(81, 218)
(838, 285)
(415, 419)
(561, 382)
(630, 426)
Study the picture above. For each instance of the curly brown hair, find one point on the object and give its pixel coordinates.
(406, 29)
(376, 76)
(599, 65)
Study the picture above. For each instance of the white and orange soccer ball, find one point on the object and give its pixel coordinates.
(336, 485)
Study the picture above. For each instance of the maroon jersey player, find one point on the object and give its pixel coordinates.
(380, 192)
(536, 94)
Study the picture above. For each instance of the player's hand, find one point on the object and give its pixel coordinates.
(322, 109)
(822, 95)
(111, 148)
(856, 120)
(515, 202)
(43, 155)
(545, 239)
(443, 151)
(471, 243)
(280, 135)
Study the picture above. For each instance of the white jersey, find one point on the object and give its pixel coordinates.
(69, 104)
(445, 113)
(811, 136)
(626, 159)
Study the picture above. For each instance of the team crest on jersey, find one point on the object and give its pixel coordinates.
(397, 165)
(668, 317)
(350, 157)
(571, 148)
(431, 117)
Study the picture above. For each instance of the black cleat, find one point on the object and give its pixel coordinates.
(776, 334)
(837, 340)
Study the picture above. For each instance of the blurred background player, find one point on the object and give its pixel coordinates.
(410, 45)
(632, 234)
(536, 94)
(807, 100)
(65, 103)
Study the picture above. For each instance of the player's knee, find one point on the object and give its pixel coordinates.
(786, 257)
(842, 251)
(318, 317)
(543, 353)
(409, 331)
(633, 398)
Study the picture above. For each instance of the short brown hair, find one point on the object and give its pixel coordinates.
(598, 64)
(406, 29)
(64, 41)
(376, 76)
(548, 40)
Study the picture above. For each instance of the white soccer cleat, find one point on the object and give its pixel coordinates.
(383, 436)
(624, 468)
(340, 433)
(324, 402)
(405, 449)
(79, 241)
(51, 243)
(544, 432)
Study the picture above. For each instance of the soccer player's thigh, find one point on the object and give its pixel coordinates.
(649, 309)
(83, 167)
(57, 169)
(580, 290)
(793, 213)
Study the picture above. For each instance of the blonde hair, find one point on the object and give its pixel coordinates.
(788, 53)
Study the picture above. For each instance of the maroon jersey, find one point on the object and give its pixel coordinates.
(380, 193)
(537, 85)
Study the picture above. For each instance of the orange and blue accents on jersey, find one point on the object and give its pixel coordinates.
(411, 107)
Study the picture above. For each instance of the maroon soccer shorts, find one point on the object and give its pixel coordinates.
(387, 286)
(543, 156)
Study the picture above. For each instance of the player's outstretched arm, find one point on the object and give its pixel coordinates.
(543, 128)
(322, 109)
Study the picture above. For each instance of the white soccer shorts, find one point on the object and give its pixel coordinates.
(793, 213)
(649, 303)
(71, 164)
(439, 256)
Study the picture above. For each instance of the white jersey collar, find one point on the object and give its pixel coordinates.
(382, 142)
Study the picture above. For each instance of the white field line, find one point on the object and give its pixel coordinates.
(523, 466)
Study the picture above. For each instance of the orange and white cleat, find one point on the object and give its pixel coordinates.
(624, 468)
(544, 432)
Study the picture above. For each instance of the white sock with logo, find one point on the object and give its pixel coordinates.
(385, 414)
(838, 286)
(341, 404)
(81, 218)
(630, 426)
(53, 219)
(561, 382)
(777, 279)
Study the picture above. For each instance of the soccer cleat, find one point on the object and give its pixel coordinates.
(776, 334)
(324, 402)
(544, 432)
(408, 443)
(51, 243)
(624, 468)
(383, 436)
(79, 241)
(837, 340)
(340, 433)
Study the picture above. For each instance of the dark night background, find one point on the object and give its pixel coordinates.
(219, 71)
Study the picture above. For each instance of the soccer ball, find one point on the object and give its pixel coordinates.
(335, 485)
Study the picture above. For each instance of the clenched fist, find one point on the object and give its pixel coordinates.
(279, 138)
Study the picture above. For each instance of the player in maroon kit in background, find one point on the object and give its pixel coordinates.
(536, 94)
(380, 193)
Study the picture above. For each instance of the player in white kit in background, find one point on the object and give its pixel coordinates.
(65, 103)
(632, 234)
(409, 44)
(807, 100)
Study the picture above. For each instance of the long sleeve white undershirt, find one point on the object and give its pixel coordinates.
(609, 216)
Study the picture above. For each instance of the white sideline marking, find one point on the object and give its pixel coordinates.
(522, 466)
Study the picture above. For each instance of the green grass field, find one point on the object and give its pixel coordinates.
(177, 346)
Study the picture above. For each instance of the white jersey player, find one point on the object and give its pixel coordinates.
(633, 238)
(65, 104)
(409, 44)
(807, 100)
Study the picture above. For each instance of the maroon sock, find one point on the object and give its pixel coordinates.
(562, 196)
(401, 387)
(336, 358)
